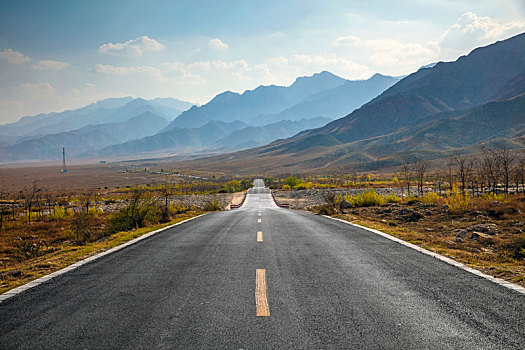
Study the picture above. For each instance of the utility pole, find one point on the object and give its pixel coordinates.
(64, 169)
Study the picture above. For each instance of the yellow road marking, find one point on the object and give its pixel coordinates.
(259, 220)
(261, 301)
(259, 214)
(259, 236)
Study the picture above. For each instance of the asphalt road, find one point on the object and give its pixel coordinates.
(328, 285)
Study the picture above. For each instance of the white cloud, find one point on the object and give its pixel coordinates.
(393, 53)
(217, 44)
(107, 69)
(13, 56)
(472, 31)
(50, 65)
(135, 47)
(288, 68)
(348, 40)
(35, 91)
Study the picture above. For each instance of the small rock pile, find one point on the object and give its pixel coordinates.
(480, 232)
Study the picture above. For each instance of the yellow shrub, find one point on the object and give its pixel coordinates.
(61, 213)
(498, 197)
(392, 198)
(458, 202)
(365, 199)
(430, 197)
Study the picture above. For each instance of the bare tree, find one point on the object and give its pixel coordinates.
(87, 199)
(406, 175)
(30, 194)
(491, 168)
(166, 192)
(49, 198)
(14, 203)
(505, 158)
(521, 172)
(473, 175)
(4, 211)
(450, 167)
(421, 169)
(462, 164)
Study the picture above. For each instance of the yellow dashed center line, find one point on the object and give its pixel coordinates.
(259, 214)
(259, 220)
(261, 300)
(259, 236)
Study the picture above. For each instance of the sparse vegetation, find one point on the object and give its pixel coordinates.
(65, 226)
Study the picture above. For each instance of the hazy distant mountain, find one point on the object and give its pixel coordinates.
(254, 136)
(449, 107)
(334, 103)
(247, 106)
(28, 125)
(470, 81)
(174, 140)
(114, 110)
(172, 103)
(86, 139)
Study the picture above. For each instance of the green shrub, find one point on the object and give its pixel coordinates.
(140, 210)
(120, 221)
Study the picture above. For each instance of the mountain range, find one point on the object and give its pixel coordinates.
(230, 121)
(448, 107)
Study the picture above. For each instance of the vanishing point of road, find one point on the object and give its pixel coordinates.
(263, 277)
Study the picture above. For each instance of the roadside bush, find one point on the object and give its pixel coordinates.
(27, 247)
(458, 202)
(365, 199)
(82, 227)
(120, 221)
(140, 210)
(286, 187)
(212, 205)
(517, 248)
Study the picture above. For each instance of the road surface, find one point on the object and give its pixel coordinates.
(314, 282)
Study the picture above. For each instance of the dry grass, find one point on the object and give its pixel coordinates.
(15, 273)
(498, 255)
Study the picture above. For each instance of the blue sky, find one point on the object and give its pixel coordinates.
(56, 55)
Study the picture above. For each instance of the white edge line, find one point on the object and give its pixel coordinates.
(43, 279)
(449, 261)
